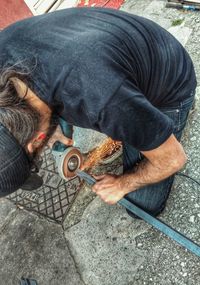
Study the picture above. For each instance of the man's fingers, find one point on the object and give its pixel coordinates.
(98, 187)
(99, 177)
(111, 200)
(66, 141)
(102, 186)
(58, 136)
(61, 139)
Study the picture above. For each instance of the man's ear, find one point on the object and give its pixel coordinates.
(30, 147)
(36, 142)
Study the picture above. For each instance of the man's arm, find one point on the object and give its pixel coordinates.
(158, 164)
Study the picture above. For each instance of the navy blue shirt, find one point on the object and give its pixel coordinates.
(103, 69)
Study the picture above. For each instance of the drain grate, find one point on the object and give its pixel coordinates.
(54, 199)
(56, 196)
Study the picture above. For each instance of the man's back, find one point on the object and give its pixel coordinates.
(133, 47)
(94, 64)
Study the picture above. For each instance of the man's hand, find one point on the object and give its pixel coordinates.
(159, 164)
(109, 188)
(58, 136)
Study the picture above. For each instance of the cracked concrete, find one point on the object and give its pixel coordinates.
(103, 240)
(75, 263)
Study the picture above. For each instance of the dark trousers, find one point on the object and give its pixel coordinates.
(152, 198)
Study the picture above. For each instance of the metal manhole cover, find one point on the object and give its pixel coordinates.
(54, 199)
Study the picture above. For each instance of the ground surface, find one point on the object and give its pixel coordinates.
(101, 245)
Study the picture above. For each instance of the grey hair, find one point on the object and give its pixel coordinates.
(21, 119)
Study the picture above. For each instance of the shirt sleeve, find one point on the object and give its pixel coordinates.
(131, 118)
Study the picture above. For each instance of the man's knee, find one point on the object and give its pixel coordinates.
(152, 198)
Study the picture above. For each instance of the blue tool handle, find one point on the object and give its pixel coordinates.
(67, 130)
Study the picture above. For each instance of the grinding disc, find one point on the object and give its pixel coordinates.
(71, 155)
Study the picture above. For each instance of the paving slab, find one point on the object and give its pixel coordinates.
(112, 248)
(35, 248)
(102, 243)
(7, 211)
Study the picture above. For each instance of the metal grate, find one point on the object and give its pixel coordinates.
(54, 199)
(56, 196)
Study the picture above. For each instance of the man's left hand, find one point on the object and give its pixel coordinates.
(109, 188)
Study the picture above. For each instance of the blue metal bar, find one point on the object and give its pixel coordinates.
(88, 178)
(156, 223)
(161, 226)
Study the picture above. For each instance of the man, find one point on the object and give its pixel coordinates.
(102, 69)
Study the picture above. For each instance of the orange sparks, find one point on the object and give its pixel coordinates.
(107, 148)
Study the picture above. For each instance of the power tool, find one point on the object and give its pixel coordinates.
(68, 158)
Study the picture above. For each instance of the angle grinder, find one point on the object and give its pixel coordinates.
(68, 158)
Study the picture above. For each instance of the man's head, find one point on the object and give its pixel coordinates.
(14, 163)
(16, 114)
(21, 122)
